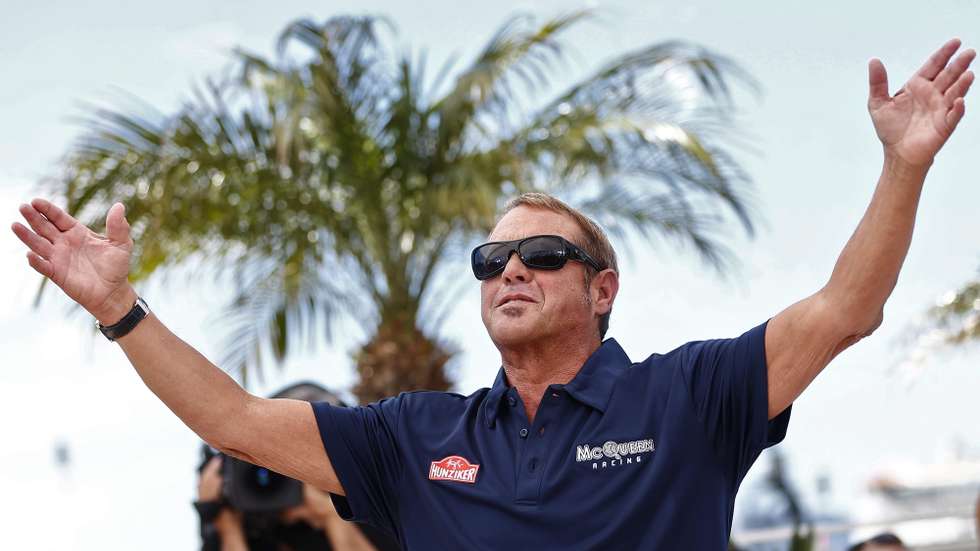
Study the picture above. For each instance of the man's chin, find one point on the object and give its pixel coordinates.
(514, 333)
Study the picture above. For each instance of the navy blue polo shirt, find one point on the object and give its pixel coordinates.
(627, 455)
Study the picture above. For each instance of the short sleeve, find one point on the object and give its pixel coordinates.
(362, 444)
(729, 387)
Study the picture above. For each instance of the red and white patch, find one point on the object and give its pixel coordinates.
(454, 469)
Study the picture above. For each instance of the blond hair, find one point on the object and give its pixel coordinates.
(594, 240)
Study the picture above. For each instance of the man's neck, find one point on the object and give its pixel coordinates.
(532, 368)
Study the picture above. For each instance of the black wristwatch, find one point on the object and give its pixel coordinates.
(119, 329)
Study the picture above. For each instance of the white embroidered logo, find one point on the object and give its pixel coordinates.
(614, 454)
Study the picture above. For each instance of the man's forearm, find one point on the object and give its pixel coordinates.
(868, 267)
(203, 396)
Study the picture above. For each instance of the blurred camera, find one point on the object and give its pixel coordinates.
(253, 489)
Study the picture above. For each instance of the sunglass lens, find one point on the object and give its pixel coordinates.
(489, 259)
(543, 252)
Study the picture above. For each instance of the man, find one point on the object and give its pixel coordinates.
(574, 446)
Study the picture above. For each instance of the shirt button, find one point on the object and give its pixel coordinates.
(523, 433)
(511, 401)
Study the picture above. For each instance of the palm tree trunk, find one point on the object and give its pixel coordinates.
(399, 358)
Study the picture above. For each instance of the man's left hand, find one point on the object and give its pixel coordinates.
(915, 123)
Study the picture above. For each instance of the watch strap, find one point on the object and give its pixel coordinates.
(119, 329)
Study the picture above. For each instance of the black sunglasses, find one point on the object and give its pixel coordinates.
(541, 252)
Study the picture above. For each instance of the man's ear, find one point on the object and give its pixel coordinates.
(603, 288)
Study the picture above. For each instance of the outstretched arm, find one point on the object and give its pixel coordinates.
(92, 270)
(912, 126)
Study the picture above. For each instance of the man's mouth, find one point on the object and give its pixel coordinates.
(514, 298)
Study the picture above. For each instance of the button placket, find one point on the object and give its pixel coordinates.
(535, 447)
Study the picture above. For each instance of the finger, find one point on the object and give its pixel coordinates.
(116, 226)
(36, 243)
(959, 89)
(213, 465)
(40, 224)
(61, 219)
(877, 81)
(41, 265)
(956, 113)
(938, 60)
(952, 73)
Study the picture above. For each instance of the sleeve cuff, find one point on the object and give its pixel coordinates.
(777, 426)
(776, 429)
(342, 506)
(340, 459)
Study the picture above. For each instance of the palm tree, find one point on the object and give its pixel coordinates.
(952, 322)
(955, 318)
(336, 181)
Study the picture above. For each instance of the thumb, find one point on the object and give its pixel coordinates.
(116, 226)
(877, 82)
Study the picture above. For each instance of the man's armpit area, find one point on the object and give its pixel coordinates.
(800, 342)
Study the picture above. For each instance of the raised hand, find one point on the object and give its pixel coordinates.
(915, 123)
(91, 269)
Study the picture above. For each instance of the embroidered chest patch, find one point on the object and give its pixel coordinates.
(454, 469)
(614, 454)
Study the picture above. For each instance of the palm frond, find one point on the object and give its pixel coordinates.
(518, 50)
(622, 212)
(276, 304)
(650, 81)
(622, 136)
(956, 315)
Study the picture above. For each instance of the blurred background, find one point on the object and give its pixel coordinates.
(305, 181)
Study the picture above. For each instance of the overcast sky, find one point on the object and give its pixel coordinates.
(131, 475)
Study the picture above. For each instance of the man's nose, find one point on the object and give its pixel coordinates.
(515, 270)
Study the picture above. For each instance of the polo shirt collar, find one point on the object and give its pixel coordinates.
(592, 385)
(496, 397)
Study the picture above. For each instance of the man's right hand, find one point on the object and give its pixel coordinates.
(90, 268)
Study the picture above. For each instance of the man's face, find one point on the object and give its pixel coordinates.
(523, 305)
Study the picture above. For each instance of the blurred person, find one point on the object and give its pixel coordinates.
(882, 542)
(976, 513)
(575, 445)
(312, 524)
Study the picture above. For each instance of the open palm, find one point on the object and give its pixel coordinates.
(916, 122)
(87, 266)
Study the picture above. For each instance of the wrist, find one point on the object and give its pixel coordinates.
(227, 523)
(897, 164)
(119, 303)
